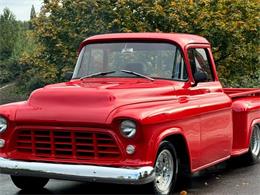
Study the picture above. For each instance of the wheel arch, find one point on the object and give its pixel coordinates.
(253, 123)
(176, 137)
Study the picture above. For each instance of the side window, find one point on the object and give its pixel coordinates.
(179, 67)
(199, 61)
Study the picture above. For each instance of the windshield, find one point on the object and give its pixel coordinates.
(156, 60)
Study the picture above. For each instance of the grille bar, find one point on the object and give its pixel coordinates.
(66, 144)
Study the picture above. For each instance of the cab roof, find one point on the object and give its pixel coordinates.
(181, 39)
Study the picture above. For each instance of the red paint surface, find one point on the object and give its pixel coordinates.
(213, 125)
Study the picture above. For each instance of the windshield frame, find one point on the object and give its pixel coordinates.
(83, 48)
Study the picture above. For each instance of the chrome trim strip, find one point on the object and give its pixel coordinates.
(76, 172)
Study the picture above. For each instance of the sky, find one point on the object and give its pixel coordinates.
(21, 8)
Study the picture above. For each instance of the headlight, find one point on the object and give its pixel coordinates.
(128, 128)
(3, 124)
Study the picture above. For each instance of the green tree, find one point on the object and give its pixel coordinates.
(15, 40)
(8, 34)
(232, 26)
(32, 16)
(33, 13)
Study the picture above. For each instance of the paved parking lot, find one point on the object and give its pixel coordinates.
(221, 179)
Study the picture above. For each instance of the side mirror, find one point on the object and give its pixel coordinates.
(200, 76)
(68, 75)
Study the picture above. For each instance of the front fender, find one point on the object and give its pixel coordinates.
(9, 110)
(159, 120)
(163, 136)
(154, 112)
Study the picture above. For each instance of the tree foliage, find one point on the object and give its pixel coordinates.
(32, 16)
(15, 40)
(33, 13)
(8, 34)
(232, 27)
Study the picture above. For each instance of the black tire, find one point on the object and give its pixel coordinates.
(29, 183)
(253, 154)
(169, 149)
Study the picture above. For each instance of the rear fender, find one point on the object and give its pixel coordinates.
(246, 113)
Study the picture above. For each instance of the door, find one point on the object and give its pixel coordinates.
(214, 107)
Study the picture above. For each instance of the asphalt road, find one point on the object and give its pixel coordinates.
(221, 179)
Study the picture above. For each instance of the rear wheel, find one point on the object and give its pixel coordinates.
(253, 155)
(166, 169)
(29, 183)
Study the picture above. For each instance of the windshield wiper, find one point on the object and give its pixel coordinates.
(137, 74)
(111, 72)
(97, 74)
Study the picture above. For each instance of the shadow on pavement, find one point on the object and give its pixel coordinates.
(31, 192)
(200, 182)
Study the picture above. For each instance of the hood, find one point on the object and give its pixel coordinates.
(90, 100)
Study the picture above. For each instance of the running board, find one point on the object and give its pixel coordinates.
(238, 152)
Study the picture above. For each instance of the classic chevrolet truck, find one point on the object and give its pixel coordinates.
(141, 108)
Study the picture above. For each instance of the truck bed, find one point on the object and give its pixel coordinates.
(242, 92)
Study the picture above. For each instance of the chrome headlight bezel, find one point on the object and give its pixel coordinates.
(3, 124)
(128, 128)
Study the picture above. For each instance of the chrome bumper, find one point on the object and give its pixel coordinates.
(75, 172)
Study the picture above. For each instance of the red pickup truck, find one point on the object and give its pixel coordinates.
(141, 108)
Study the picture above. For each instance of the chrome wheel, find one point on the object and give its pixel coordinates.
(164, 171)
(255, 141)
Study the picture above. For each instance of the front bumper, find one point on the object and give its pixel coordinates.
(75, 172)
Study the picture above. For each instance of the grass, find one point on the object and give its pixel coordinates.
(10, 94)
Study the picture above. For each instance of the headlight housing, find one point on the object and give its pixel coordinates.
(3, 124)
(128, 128)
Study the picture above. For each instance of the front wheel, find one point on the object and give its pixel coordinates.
(29, 183)
(166, 169)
